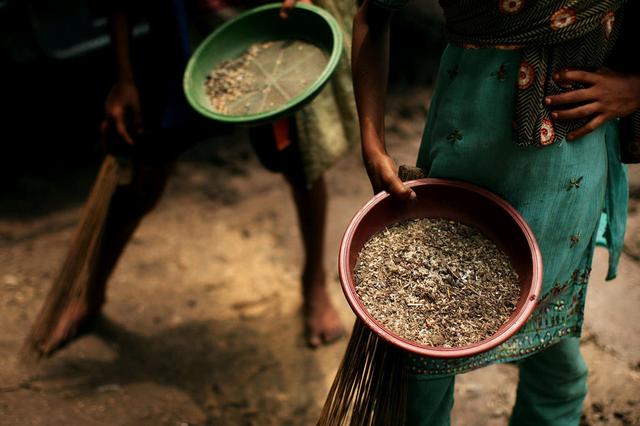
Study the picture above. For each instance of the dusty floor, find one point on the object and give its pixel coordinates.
(203, 322)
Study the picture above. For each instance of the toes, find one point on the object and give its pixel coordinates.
(314, 340)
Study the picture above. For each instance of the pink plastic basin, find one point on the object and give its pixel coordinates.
(462, 202)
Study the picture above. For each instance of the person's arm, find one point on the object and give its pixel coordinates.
(122, 107)
(121, 35)
(370, 62)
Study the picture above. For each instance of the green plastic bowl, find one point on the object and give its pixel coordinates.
(262, 24)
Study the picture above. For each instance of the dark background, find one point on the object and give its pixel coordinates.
(57, 69)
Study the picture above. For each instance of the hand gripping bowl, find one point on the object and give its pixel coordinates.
(462, 202)
(260, 25)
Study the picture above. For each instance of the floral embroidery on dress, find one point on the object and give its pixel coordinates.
(454, 136)
(547, 132)
(547, 302)
(579, 278)
(510, 7)
(501, 73)
(608, 21)
(563, 17)
(574, 183)
(526, 75)
(575, 239)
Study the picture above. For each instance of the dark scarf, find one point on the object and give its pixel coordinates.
(553, 35)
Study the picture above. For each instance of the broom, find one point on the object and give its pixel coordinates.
(72, 281)
(370, 387)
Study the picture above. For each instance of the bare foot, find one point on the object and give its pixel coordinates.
(322, 322)
(72, 322)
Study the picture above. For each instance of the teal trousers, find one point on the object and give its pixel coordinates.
(551, 390)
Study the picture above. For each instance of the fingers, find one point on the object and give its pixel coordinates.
(574, 96)
(394, 186)
(382, 173)
(586, 77)
(592, 125)
(116, 118)
(287, 5)
(578, 112)
(120, 124)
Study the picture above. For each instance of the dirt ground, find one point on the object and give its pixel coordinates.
(203, 323)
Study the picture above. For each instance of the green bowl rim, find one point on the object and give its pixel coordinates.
(264, 116)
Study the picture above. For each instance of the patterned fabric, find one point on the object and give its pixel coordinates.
(553, 35)
(561, 191)
(328, 127)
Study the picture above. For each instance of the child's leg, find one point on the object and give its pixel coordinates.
(552, 387)
(322, 323)
(153, 162)
(128, 206)
(429, 401)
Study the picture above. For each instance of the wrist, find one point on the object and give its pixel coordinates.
(373, 153)
(124, 81)
(125, 75)
(373, 145)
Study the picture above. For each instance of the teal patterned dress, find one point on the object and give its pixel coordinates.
(566, 191)
(562, 190)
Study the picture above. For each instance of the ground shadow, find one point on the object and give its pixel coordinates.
(231, 370)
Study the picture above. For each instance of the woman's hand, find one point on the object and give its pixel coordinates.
(287, 5)
(382, 171)
(609, 94)
(122, 111)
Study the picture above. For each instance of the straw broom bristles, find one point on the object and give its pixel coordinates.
(72, 281)
(370, 386)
